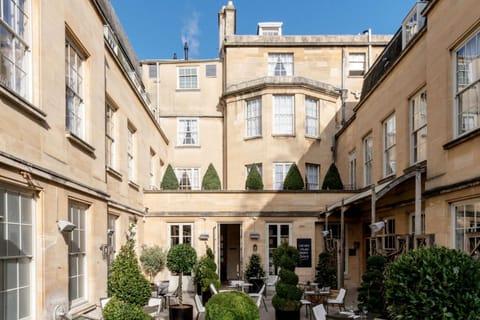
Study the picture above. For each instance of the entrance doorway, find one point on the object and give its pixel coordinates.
(230, 252)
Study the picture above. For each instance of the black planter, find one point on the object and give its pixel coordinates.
(257, 285)
(287, 315)
(199, 289)
(206, 295)
(180, 312)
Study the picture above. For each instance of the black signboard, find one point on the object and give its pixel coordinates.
(304, 247)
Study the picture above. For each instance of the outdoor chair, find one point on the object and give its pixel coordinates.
(259, 297)
(271, 282)
(169, 295)
(308, 305)
(154, 306)
(339, 300)
(199, 305)
(319, 312)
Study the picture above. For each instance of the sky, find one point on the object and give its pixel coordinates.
(158, 28)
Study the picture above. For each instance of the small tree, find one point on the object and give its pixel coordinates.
(254, 179)
(126, 282)
(169, 181)
(332, 179)
(433, 283)
(254, 272)
(288, 295)
(181, 258)
(371, 295)
(153, 260)
(210, 180)
(205, 271)
(326, 276)
(293, 179)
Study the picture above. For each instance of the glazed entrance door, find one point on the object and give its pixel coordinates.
(230, 249)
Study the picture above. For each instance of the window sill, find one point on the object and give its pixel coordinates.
(134, 185)
(461, 139)
(252, 138)
(23, 105)
(356, 76)
(286, 135)
(188, 90)
(313, 138)
(80, 308)
(114, 173)
(81, 144)
(181, 146)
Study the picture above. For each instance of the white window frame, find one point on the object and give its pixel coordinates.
(389, 146)
(185, 135)
(311, 117)
(188, 78)
(280, 64)
(131, 152)
(418, 127)
(367, 160)
(466, 224)
(283, 170)
(17, 67)
(312, 176)
(253, 118)
(17, 220)
(277, 240)
(75, 90)
(193, 175)
(78, 215)
(352, 169)
(259, 166)
(283, 115)
(356, 64)
(181, 235)
(467, 79)
(111, 135)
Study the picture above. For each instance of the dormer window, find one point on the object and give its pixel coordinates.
(413, 23)
(280, 64)
(269, 29)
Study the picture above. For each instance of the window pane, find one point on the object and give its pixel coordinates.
(24, 272)
(13, 208)
(3, 239)
(12, 274)
(26, 240)
(12, 303)
(13, 246)
(26, 210)
(3, 271)
(175, 231)
(24, 302)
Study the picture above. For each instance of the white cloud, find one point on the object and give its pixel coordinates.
(190, 33)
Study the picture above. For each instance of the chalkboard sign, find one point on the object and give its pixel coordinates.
(304, 247)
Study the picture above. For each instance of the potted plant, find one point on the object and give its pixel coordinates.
(181, 258)
(205, 274)
(286, 300)
(371, 294)
(153, 260)
(326, 275)
(254, 272)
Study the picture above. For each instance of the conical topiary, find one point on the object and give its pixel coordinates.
(293, 180)
(332, 179)
(210, 180)
(325, 276)
(254, 180)
(169, 181)
(126, 281)
(371, 294)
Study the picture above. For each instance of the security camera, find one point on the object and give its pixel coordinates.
(65, 226)
(377, 226)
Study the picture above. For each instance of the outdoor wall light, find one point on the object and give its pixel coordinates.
(65, 226)
(203, 237)
(377, 226)
(325, 233)
(254, 235)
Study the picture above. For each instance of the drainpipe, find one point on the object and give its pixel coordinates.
(374, 200)
(341, 280)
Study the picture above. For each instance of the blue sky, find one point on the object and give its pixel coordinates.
(158, 28)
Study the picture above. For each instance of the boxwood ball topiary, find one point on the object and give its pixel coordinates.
(433, 283)
(232, 305)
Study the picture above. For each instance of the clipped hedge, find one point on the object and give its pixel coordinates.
(254, 180)
(325, 276)
(371, 294)
(433, 283)
(118, 310)
(293, 179)
(210, 180)
(169, 180)
(232, 305)
(332, 180)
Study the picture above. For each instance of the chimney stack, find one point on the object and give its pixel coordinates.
(185, 50)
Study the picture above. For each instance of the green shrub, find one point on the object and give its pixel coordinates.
(433, 283)
(332, 180)
(293, 179)
(210, 180)
(153, 260)
(254, 267)
(254, 180)
(118, 310)
(232, 305)
(371, 294)
(287, 296)
(181, 258)
(205, 271)
(126, 281)
(169, 181)
(326, 275)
